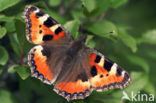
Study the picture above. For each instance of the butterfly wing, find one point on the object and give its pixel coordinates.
(88, 71)
(105, 73)
(40, 27)
(45, 62)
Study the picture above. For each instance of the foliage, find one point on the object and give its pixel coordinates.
(124, 31)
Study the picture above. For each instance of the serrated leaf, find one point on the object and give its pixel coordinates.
(139, 61)
(4, 4)
(148, 37)
(103, 28)
(117, 3)
(89, 4)
(54, 2)
(2, 32)
(3, 56)
(22, 71)
(72, 27)
(127, 39)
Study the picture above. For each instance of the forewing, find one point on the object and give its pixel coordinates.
(41, 28)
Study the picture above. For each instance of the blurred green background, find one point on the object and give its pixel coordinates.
(123, 30)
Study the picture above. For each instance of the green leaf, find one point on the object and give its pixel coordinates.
(77, 14)
(127, 39)
(150, 88)
(20, 29)
(2, 32)
(102, 6)
(72, 27)
(103, 28)
(5, 18)
(5, 96)
(80, 101)
(4, 4)
(15, 44)
(89, 4)
(89, 38)
(89, 42)
(54, 2)
(3, 56)
(11, 68)
(23, 71)
(139, 61)
(117, 3)
(56, 16)
(148, 37)
(104, 97)
(10, 26)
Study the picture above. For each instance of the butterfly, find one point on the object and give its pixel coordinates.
(76, 69)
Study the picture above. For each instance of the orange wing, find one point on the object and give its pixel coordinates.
(106, 74)
(40, 27)
(73, 89)
(74, 83)
(39, 67)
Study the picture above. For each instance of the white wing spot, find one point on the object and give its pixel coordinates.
(113, 69)
(101, 63)
(43, 18)
(37, 10)
(123, 73)
(54, 27)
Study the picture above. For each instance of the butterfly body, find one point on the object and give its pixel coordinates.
(76, 69)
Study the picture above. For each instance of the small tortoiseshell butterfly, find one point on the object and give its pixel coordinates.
(76, 69)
